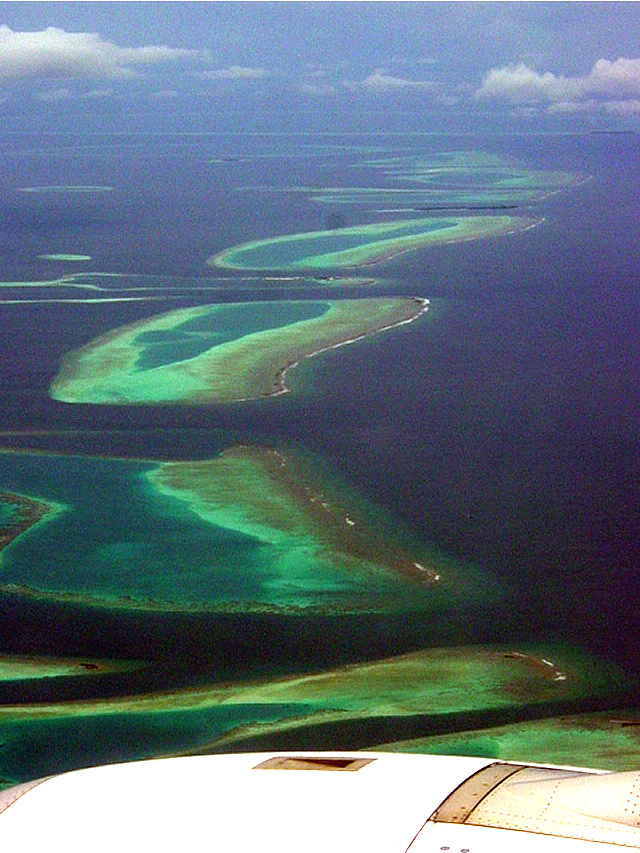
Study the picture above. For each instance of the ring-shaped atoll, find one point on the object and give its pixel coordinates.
(219, 353)
(361, 245)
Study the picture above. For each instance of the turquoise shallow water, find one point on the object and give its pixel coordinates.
(298, 248)
(504, 428)
(33, 749)
(7, 512)
(119, 536)
(117, 539)
(223, 324)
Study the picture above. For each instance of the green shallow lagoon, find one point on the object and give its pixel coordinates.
(416, 690)
(230, 534)
(220, 325)
(360, 245)
(32, 749)
(606, 740)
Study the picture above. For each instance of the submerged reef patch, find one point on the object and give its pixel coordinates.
(62, 189)
(423, 691)
(447, 180)
(608, 740)
(428, 684)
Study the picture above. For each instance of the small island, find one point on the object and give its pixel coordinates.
(219, 353)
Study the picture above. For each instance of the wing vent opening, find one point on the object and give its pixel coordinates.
(288, 762)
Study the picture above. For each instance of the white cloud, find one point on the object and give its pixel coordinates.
(165, 94)
(620, 108)
(610, 86)
(317, 88)
(236, 72)
(55, 53)
(382, 82)
(521, 84)
(98, 93)
(55, 95)
(316, 69)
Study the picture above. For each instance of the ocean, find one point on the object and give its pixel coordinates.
(500, 430)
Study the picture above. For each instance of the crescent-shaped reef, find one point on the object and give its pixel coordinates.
(219, 353)
(360, 245)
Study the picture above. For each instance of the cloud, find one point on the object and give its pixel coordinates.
(382, 82)
(610, 86)
(620, 108)
(55, 53)
(55, 95)
(316, 69)
(236, 72)
(317, 88)
(165, 94)
(98, 93)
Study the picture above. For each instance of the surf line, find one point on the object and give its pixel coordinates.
(281, 376)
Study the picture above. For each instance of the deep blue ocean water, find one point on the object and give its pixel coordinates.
(503, 427)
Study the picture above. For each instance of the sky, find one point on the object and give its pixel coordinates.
(320, 65)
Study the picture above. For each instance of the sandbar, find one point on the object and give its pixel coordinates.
(274, 497)
(177, 357)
